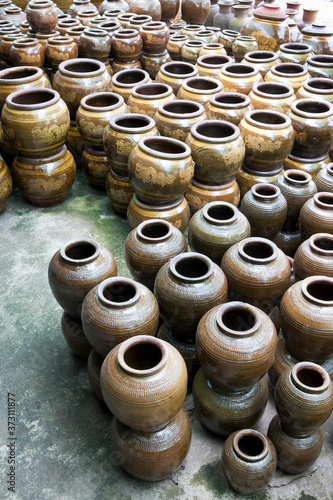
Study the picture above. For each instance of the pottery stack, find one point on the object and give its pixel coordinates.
(155, 37)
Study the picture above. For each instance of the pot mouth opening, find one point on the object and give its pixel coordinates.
(323, 243)
(213, 45)
(20, 73)
(297, 177)
(119, 292)
(80, 252)
(154, 25)
(81, 66)
(324, 200)
(213, 129)
(261, 55)
(33, 98)
(319, 289)
(102, 100)
(135, 123)
(183, 108)
(319, 84)
(310, 377)
(165, 147)
(238, 319)
(323, 59)
(232, 99)
(257, 250)
(266, 191)
(155, 230)
(87, 13)
(250, 445)
(68, 21)
(194, 43)
(152, 90)
(316, 108)
(140, 18)
(202, 84)
(300, 47)
(215, 61)
(142, 355)
(239, 70)
(130, 77)
(219, 212)
(180, 68)
(273, 89)
(178, 37)
(289, 69)
(191, 267)
(268, 118)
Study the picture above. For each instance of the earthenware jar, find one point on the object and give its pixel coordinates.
(195, 12)
(198, 194)
(137, 21)
(217, 151)
(324, 179)
(14, 14)
(247, 178)
(96, 166)
(304, 398)
(199, 89)
(152, 456)
(316, 88)
(27, 52)
(146, 98)
(121, 136)
(273, 96)
(77, 78)
(77, 5)
(264, 60)
(174, 73)
(109, 26)
(175, 118)
(206, 36)
(94, 115)
(124, 81)
(241, 15)
(74, 335)
(320, 66)
(126, 380)
(290, 73)
(215, 228)
(6, 186)
(175, 45)
(122, 17)
(224, 16)
(5, 46)
(126, 45)
(211, 49)
(316, 215)
(268, 137)
(169, 9)
(297, 53)
(85, 16)
(242, 45)
(315, 256)
(211, 64)
(120, 192)
(77, 267)
(94, 366)
(113, 4)
(155, 36)
(249, 461)
(309, 165)
(95, 43)
(257, 272)
(288, 241)
(146, 7)
(297, 187)
(237, 77)
(36, 122)
(59, 49)
(266, 210)
(42, 15)
(149, 246)
(227, 38)
(319, 36)
(177, 25)
(228, 106)
(190, 51)
(186, 287)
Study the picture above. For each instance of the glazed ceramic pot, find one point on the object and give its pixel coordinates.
(324, 179)
(169, 8)
(75, 143)
(14, 14)
(95, 43)
(268, 137)
(109, 26)
(309, 16)
(174, 46)
(190, 51)
(176, 212)
(113, 4)
(223, 17)
(249, 461)
(211, 49)
(77, 5)
(74, 336)
(288, 241)
(186, 287)
(77, 267)
(152, 63)
(124, 81)
(211, 64)
(36, 122)
(215, 228)
(152, 456)
(316, 215)
(316, 88)
(160, 169)
(297, 53)
(217, 151)
(94, 366)
(144, 7)
(198, 194)
(175, 119)
(236, 344)
(148, 97)
(304, 398)
(120, 192)
(247, 178)
(237, 77)
(174, 73)
(309, 165)
(64, 25)
(27, 52)
(195, 11)
(242, 45)
(96, 166)
(59, 49)
(241, 14)
(223, 412)
(122, 135)
(144, 382)
(6, 186)
(206, 36)
(257, 272)
(126, 45)
(265, 207)
(290, 73)
(42, 15)
(155, 36)
(228, 106)
(177, 25)
(199, 89)
(314, 257)
(295, 454)
(116, 310)
(319, 36)
(85, 16)
(264, 60)
(320, 66)
(227, 38)
(6, 44)
(77, 78)
(272, 96)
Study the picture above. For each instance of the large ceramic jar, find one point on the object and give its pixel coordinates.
(160, 169)
(324, 179)
(174, 73)
(316, 215)
(148, 97)
(290, 73)
(194, 11)
(149, 246)
(169, 9)
(126, 45)
(238, 77)
(316, 88)
(211, 64)
(59, 49)
(125, 80)
(146, 7)
(320, 66)
(155, 36)
(175, 119)
(36, 122)
(297, 53)
(116, 310)
(6, 186)
(261, 59)
(273, 96)
(42, 15)
(306, 318)
(265, 207)
(185, 288)
(249, 461)
(215, 228)
(236, 344)
(144, 382)
(198, 194)
(77, 78)
(94, 43)
(199, 89)
(268, 137)
(304, 398)
(315, 256)
(113, 4)
(76, 268)
(257, 272)
(319, 37)
(217, 150)
(27, 52)
(228, 106)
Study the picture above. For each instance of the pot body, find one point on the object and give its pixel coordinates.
(126, 45)
(315, 256)
(198, 194)
(195, 11)
(316, 215)
(59, 49)
(247, 178)
(94, 366)
(120, 192)
(176, 118)
(264, 60)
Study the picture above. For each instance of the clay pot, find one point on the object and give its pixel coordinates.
(152, 456)
(198, 194)
(113, 4)
(5, 46)
(77, 5)
(36, 122)
(94, 366)
(324, 179)
(265, 207)
(94, 114)
(268, 137)
(257, 272)
(309, 16)
(319, 37)
(77, 267)
(147, 98)
(96, 166)
(144, 7)
(190, 51)
(185, 288)
(155, 36)
(126, 45)
(95, 43)
(237, 77)
(227, 38)
(249, 461)
(210, 65)
(174, 46)
(42, 15)
(217, 151)
(315, 256)
(304, 398)
(316, 215)
(152, 63)
(206, 36)
(74, 336)
(174, 73)
(215, 228)
(109, 26)
(126, 380)
(120, 192)
(264, 60)
(224, 412)
(77, 78)
(320, 66)
(59, 49)
(309, 165)
(316, 88)
(306, 312)
(195, 12)
(199, 89)
(124, 81)
(85, 16)
(3, 5)
(228, 106)
(241, 14)
(14, 14)
(75, 143)
(288, 241)
(6, 186)
(272, 96)
(247, 178)
(224, 15)
(27, 52)
(64, 25)
(297, 53)
(122, 135)
(290, 73)
(242, 45)
(211, 49)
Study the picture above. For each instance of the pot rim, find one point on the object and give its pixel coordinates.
(307, 85)
(322, 204)
(217, 123)
(144, 146)
(113, 123)
(315, 60)
(85, 102)
(309, 281)
(304, 114)
(276, 191)
(191, 256)
(294, 377)
(154, 25)
(277, 70)
(52, 94)
(165, 69)
(159, 208)
(118, 280)
(201, 61)
(126, 33)
(95, 32)
(249, 118)
(75, 242)
(169, 114)
(287, 175)
(167, 92)
(186, 85)
(60, 40)
(289, 90)
(225, 70)
(258, 240)
(100, 67)
(214, 220)
(253, 433)
(321, 251)
(245, 100)
(290, 48)
(153, 222)
(229, 306)
(115, 78)
(142, 339)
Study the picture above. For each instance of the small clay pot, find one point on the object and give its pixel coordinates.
(148, 97)
(272, 96)
(96, 166)
(6, 186)
(227, 38)
(190, 51)
(210, 65)
(64, 25)
(126, 45)
(95, 43)
(27, 52)
(319, 36)
(85, 16)
(6, 44)
(297, 53)
(174, 46)
(290, 73)
(199, 89)
(77, 5)
(120, 192)
(94, 366)
(316, 215)
(124, 81)
(228, 106)
(212, 49)
(152, 63)
(42, 15)
(264, 60)
(324, 179)
(238, 77)
(174, 119)
(174, 73)
(59, 49)
(74, 335)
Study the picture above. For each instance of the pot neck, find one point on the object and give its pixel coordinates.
(118, 293)
(191, 268)
(80, 252)
(238, 320)
(310, 378)
(258, 251)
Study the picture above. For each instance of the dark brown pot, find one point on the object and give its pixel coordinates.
(59, 49)
(155, 36)
(126, 45)
(96, 166)
(198, 194)
(195, 12)
(74, 335)
(316, 215)
(315, 256)
(95, 43)
(94, 367)
(174, 119)
(42, 15)
(27, 52)
(146, 7)
(120, 192)
(169, 8)
(228, 106)
(147, 98)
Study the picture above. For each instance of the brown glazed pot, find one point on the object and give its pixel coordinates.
(316, 88)
(265, 207)
(14, 14)
(42, 15)
(77, 267)
(149, 246)
(290, 73)
(124, 81)
(94, 366)
(59, 49)
(224, 412)
(155, 36)
(152, 63)
(147, 98)
(306, 318)
(142, 7)
(264, 60)
(309, 165)
(27, 52)
(74, 335)
(199, 89)
(249, 461)
(120, 192)
(210, 65)
(236, 344)
(174, 119)
(324, 179)
(116, 310)
(316, 215)
(194, 11)
(257, 272)
(64, 25)
(144, 382)
(152, 456)
(272, 96)
(247, 178)
(169, 8)
(96, 166)
(5, 46)
(215, 228)
(174, 73)
(190, 51)
(77, 5)
(238, 77)
(36, 122)
(6, 186)
(95, 43)
(217, 150)
(174, 46)
(186, 287)
(304, 398)
(126, 45)
(198, 194)
(85, 16)
(297, 53)
(228, 106)
(288, 241)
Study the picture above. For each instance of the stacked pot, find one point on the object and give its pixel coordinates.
(155, 36)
